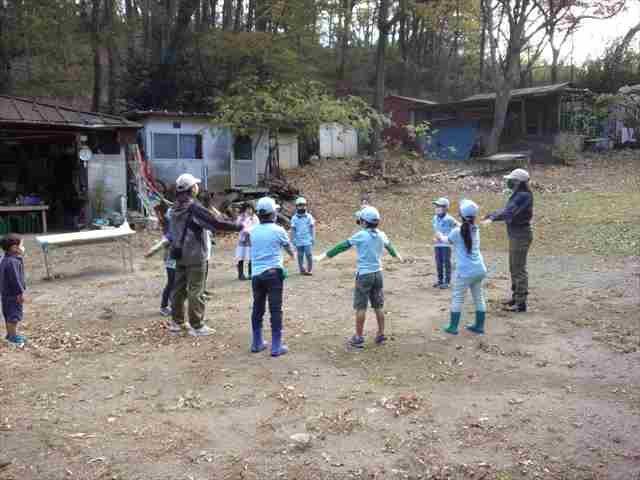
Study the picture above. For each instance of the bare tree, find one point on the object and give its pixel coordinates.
(511, 25)
(613, 66)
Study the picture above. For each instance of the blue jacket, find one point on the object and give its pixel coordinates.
(517, 214)
(443, 225)
(12, 282)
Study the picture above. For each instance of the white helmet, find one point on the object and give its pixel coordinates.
(186, 181)
(442, 202)
(518, 174)
(370, 215)
(301, 201)
(266, 206)
(468, 209)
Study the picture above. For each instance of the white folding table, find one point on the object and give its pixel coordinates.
(121, 235)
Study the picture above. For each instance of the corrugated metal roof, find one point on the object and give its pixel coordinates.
(414, 100)
(521, 92)
(19, 110)
(138, 114)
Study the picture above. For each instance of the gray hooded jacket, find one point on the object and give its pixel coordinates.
(190, 213)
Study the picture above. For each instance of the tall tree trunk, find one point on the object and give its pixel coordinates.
(483, 42)
(345, 35)
(555, 60)
(384, 26)
(238, 16)
(504, 84)
(251, 15)
(227, 15)
(164, 82)
(113, 57)
(5, 55)
(262, 15)
(99, 56)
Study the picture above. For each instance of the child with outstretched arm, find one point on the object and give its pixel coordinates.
(12, 286)
(470, 268)
(268, 274)
(370, 243)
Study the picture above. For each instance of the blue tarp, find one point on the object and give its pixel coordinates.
(451, 140)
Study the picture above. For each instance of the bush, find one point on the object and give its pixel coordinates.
(567, 147)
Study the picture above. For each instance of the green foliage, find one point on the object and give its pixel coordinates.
(252, 106)
(567, 147)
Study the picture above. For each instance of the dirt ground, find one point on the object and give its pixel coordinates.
(102, 391)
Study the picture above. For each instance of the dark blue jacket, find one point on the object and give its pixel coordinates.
(518, 212)
(12, 281)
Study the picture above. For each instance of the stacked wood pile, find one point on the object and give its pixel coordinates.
(278, 188)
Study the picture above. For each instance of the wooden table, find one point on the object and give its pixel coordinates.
(27, 209)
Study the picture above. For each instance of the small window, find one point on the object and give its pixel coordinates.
(243, 148)
(189, 146)
(174, 146)
(165, 145)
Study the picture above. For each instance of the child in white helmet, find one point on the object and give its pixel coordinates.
(370, 242)
(303, 235)
(470, 268)
(247, 220)
(268, 275)
(443, 224)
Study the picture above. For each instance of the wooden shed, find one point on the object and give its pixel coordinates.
(40, 143)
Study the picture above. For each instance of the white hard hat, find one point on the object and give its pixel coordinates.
(301, 201)
(370, 215)
(186, 181)
(266, 206)
(518, 174)
(442, 202)
(468, 209)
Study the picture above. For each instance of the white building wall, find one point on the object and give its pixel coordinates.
(215, 164)
(288, 151)
(338, 141)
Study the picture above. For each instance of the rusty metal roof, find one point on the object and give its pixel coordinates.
(20, 110)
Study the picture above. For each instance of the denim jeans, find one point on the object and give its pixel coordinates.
(443, 264)
(460, 286)
(269, 285)
(305, 252)
(168, 288)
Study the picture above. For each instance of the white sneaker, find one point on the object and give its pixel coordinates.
(165, 312)
(176, 327)
(203, 331)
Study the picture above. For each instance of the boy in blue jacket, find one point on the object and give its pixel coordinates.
(370, 242)
(12, 286)
(443, 224)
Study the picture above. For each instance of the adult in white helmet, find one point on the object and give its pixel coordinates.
(303, 235)
(517, 215)
(370, 243)
(190, 221)
(267, 242)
